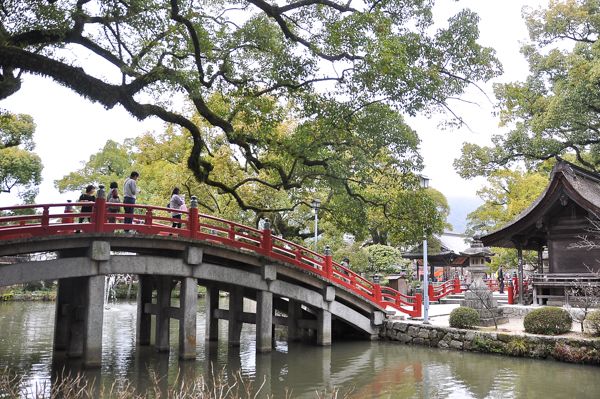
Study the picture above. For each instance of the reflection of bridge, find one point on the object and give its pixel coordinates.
(311, 289)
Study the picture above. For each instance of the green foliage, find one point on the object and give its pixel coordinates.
(111, 163)
(517, 347)
(548, 320)
(383, 258)
(20, 169)
(463, 317)
(367, 209)
(555, 110)
(6, 296)
(284, 103)
(16, 130)
(487, 345)
(359, 258)
(592, 322)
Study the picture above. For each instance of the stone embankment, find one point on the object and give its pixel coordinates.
(566, 349)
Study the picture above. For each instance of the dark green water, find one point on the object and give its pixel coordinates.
(366, 369)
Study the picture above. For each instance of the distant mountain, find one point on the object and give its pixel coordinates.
(460, 207)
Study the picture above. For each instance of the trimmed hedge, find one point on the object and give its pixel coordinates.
(548, 320)
(592, 322)
(463, 317)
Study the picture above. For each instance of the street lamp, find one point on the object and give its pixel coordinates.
(315, 204)
(425, 184)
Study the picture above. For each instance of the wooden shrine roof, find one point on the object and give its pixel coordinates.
(568, 182)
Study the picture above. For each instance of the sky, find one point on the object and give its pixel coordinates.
(70, 128)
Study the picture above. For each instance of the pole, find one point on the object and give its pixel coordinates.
(425, 283)
(316, 227)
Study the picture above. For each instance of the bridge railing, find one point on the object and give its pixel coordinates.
(439, 291)
(64, 218)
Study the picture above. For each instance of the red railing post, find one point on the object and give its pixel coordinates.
(148, 218)
(266, 241)
(193, 217)
(377, 293)
(431, 292)
(456, 285)
(46, 216)
(417, 306)
(99, 212)
(510, 292)
(231, 232)
(328, 266)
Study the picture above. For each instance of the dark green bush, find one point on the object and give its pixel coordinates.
(548, 320)
(463, 317)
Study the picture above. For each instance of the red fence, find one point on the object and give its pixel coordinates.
(437, 292)
(513, 289)
(61, 219)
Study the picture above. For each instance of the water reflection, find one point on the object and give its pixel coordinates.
(367, 369)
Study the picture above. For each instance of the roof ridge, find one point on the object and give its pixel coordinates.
(564, 166)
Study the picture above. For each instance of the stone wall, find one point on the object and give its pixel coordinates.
(511, 311)
(574, 350)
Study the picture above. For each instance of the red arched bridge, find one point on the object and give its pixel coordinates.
(312, 290)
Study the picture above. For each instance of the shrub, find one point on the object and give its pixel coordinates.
(548, 321)
(592, 323)
(517, 347)
(463, 317)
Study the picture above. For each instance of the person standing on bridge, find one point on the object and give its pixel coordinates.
(130, 191)
(88, 196)
(113, 197)
(176, 204)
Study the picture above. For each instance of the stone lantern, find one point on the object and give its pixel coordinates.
(478, 296)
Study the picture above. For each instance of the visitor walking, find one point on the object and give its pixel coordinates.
(88, 196)
(345, 262)
(114, 198)
(501, 280)
(176, 204)
(130, 191)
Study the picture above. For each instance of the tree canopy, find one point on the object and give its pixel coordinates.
(299, 92)
(556, 110)
(389, 210)
(20, 168)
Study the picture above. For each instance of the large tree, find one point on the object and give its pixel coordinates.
(20, 168)
(556, 110)
(384, 209)
(342, 70)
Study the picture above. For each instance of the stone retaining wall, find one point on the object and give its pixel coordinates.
(511, 311)
(573, 350)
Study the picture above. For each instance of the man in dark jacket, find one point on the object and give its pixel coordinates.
(88, 196)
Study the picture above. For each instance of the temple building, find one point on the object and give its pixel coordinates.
(443, 256)
(556, 221)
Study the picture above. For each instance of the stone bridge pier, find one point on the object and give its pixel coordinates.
(80, 306)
